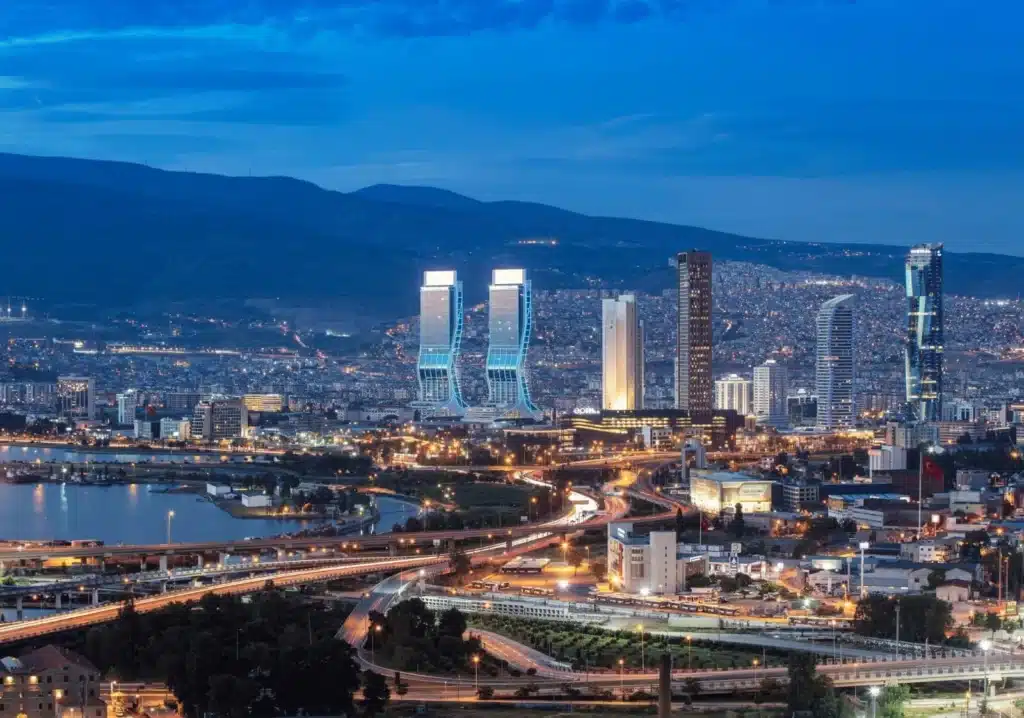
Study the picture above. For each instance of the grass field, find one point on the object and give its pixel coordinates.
(598, 648)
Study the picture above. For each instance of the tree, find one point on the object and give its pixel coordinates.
(575, 560)
(890, 703)
(376, 693)
(738, 526)
(451, 623)
(459, 563)
(680, 525)
(922, 618)
(231, 695)
(692, 687)
(485, 693)
(802, 673)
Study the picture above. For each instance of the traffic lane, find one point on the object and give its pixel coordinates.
(100, 614)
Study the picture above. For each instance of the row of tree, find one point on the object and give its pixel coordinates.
(270, 655)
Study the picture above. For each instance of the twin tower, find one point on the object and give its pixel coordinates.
(510, 324)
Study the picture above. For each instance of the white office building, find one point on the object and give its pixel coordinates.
(886, 458)
(219, 419)
(733, 392)
(127, 401)
(771, 385)
(622, 354)
(76, 397)
(642, 564)
(833, 377)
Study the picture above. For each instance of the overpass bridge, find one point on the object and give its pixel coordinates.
(92, 615)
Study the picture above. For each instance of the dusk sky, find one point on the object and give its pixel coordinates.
(894, 121)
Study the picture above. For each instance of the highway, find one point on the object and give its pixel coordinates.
(21, 630)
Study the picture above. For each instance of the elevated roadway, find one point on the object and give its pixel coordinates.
(90, 616)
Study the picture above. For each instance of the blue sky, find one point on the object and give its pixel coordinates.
(893, 121)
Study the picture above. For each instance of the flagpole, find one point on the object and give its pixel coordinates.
(920, 494)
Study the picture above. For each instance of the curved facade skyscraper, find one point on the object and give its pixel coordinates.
(441, 320)
(510, 324)
(924, 348)
(833, 372)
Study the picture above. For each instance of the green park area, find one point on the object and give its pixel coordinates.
(595, 647)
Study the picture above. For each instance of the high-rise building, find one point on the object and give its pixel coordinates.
(833, 374)
(771, 387)
(182, 402)
(441, 320)
(693, 335)
(924, 346)
(622, 354)
(76, 397)
(510, 325)
(734, 392)
(219, 419)
(127, 401)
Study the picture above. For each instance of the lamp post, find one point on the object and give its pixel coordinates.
(170, 516)
(57, 695)
(476, 666)
(756, 663)
(622, 684)
(986, 646)
(689, 653)
(863, 546)
(374, 628)
(643, 659)
(873, 691)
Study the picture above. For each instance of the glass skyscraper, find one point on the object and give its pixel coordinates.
(440, 339)
(510, 324)
(833, 373)
(693, 332)
(924, 346)
(622, 355)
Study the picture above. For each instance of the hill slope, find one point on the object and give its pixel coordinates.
(101, 231)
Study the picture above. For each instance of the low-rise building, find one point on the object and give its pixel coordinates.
(256, 500)
(718, 491)
(50, 682)
(218, 490)
(800, 494)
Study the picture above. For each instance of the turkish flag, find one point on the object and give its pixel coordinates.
(932, 475)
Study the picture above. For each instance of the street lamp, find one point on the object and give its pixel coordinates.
(756, 663)
(476, 666)
(57, 695)
(986, 646)
(622, 685)
(643, 660)
(170, 515)
(689, 653)
(873, 691)
(375, 628)
(863, 547)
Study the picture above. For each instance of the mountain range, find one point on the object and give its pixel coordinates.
(113, 234)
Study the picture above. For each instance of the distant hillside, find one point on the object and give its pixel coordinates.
(106, 232)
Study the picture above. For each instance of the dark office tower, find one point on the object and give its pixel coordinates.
(693, 336)
(924, 332)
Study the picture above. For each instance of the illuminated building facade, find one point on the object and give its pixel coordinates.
(127, 401)
(734, 392)
(622, 354)
(833, 371)
(721, 490)
(441, 318)
(693, 332)
(510, 324)
(263, 402)
(714, 429)
(219, 419)
(76, 398)
(924, 345)
(771, 385)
